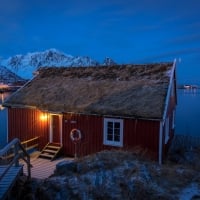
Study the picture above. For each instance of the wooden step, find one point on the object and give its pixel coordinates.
(53, 147)
(46, 155)
(50, 151)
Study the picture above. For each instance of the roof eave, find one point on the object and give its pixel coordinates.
(115, 116)
(82, 113)
(18, 106)
(169, 91)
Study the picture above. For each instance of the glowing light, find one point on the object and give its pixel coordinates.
(3, 86)
(1, 101)
(2, 97)
(1, 107)
(43, 117)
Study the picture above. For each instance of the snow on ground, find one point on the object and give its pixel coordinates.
(192, 190)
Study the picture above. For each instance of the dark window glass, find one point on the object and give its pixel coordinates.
(110, 137)
(117, 125)
(110, 124)
(117, 138)
(110, 131)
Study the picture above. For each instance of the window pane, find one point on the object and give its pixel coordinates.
(117, 131)
(117, 138)
(117, 135)
(110, 137)
(110, 125)
(117, 125)
(109, 131)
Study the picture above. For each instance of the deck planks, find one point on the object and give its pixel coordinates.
(43, 168)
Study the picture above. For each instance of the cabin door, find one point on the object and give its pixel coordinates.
(56, 129)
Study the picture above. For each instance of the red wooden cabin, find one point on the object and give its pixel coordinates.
(120, 106)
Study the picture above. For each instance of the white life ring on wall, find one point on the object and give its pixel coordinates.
(75, 135)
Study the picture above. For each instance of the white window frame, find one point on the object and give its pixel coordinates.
(166, 130)
(112, 142)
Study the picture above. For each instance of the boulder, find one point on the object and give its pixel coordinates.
(67, 167)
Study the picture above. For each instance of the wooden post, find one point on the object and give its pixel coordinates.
(75, 150)
(16, 152)
(29, 167)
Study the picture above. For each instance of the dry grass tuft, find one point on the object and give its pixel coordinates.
(118, 174)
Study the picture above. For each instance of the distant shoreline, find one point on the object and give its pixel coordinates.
(188, 86)
(9, 89)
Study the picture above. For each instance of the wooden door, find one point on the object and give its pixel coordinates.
(56, 129)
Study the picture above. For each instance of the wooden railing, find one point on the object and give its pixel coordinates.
(31, 143)
(19, 152)
(27, 144)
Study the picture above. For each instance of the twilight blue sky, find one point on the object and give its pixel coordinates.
(129, 31)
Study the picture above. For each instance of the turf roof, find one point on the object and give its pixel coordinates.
(137, 91)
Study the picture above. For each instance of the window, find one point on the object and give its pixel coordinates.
(113, 132)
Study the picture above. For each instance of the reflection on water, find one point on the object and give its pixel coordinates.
(188, 112)
(191, 92)
(3, 96)
(3, 127)
(3, 119)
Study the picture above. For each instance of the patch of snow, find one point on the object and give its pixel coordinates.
(180, 171)
(59, 179)
(7, 76)
(25, 65)
(108, 61)
(169, 73)
(189, 192)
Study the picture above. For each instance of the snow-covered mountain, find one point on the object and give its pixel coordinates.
(108, 61)
(8, 77)
(25, 65)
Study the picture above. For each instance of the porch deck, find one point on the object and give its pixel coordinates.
(43, 168)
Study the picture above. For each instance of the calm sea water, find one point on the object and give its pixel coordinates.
(3, 120)
(187, 114)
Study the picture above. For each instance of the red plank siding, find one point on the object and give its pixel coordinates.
(142, 133)
(91, 130)
(136, 133)
(26, 124)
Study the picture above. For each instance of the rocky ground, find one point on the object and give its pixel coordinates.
(118, 175)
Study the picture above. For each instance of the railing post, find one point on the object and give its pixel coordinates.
(16, 152)
(16, 147)
(29, 167)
